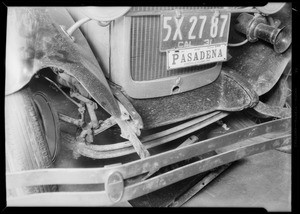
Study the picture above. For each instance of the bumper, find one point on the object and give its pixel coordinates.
(267, 136)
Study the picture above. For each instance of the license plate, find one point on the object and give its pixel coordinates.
(194, 29)
(196, 56)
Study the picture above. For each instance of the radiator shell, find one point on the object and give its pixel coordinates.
(140, 68)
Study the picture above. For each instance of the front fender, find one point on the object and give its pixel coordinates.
(257, 62)
(35, 40)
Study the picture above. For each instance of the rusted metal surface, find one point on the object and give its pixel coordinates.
(145, 187)
(35, 41)
(97, 175)
(230, 92)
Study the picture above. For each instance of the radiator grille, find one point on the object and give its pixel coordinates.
(147, 62)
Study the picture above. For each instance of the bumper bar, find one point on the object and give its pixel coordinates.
(266, 136)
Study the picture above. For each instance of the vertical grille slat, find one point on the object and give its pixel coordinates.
(157, 56)
(146, 61)
(144, 23)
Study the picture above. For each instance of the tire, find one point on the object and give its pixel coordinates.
(25, 142)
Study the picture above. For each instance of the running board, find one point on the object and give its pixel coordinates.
(266, 136)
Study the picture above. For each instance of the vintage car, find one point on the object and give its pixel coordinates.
(146, 76)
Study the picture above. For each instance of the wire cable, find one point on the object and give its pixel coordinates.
(237, 44)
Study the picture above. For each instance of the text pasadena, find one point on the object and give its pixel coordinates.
(196, 56)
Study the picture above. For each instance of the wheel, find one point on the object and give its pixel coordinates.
(25, 140)
(49, 121)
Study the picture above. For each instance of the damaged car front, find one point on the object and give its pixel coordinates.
(147, 76)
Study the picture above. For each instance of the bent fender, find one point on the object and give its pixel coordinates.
(35, 40)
